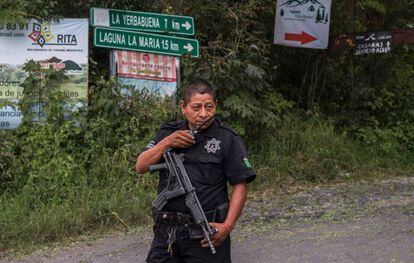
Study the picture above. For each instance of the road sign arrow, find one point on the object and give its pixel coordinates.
(186, 25)
(188, 47)
(304, 37)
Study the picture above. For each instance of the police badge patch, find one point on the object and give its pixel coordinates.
(212, 145)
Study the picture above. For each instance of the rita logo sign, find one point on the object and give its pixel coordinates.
(41, 35)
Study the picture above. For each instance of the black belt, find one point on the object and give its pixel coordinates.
(218, 214)
(181, 218)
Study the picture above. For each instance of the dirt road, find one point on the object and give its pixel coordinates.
(353, 222)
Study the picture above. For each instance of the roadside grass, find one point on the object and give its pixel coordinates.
(313, 152)
(65, 200)
(26, 221)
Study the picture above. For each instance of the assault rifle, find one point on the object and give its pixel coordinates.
(179, 184)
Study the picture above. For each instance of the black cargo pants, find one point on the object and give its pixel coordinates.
(184, 249)
(186, 246)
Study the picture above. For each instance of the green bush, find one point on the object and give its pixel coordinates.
(312, 150)
(71, 172)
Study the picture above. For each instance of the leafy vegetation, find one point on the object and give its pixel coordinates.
(306, 115)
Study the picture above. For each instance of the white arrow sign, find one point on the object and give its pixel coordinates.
(188, 47)
(303, 23)
(186, 25)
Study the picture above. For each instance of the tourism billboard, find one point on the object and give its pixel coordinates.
(60, 45)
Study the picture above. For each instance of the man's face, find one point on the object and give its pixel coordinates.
(199, 109)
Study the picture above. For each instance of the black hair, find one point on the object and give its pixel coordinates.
(198, 86)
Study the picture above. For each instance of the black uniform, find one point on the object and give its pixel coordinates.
(218, 156)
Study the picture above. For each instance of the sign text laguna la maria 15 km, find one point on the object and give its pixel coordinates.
(143, 21)
(146, 42)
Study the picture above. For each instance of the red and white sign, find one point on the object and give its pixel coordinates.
(146, 66)
(302, 23)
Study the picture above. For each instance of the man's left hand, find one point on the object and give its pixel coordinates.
(222, 232)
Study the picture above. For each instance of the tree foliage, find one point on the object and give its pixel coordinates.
(258, 81)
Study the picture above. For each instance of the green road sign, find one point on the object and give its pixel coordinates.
(145, 42)
(142, 21)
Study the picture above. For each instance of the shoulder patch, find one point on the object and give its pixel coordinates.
(173, 125)
(226, 127)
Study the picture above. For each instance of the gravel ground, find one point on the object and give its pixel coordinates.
(352, 222)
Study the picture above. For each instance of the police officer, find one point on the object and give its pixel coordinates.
(214, 156)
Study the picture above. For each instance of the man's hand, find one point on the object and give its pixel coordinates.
(177, 139)
(238, 198)
(223, 231)
(180, 139)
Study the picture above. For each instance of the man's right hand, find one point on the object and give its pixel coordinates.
(180, 139)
